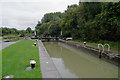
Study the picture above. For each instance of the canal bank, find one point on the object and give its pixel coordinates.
(48, 68)
(112, 58)
(72, 62)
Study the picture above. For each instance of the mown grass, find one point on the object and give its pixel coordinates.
(10, 35)
(14, 39)
(1, 39)
(0, 65)
(11, 40)
(16, 57)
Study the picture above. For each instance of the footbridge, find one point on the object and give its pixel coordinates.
(47, 38)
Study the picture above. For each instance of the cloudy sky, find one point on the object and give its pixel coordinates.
(21, 14)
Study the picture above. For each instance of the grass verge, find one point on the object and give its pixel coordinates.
(0, 64)
(113, 45)
(10, 35)
(16, 57)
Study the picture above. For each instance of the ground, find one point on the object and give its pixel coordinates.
(16, 57)
(93, 45)
(0, 65)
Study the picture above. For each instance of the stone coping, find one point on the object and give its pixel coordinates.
(48, 68)
(112, 58)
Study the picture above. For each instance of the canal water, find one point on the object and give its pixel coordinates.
(72, 62)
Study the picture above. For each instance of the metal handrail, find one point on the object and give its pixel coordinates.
(99, 47)
(108, 47)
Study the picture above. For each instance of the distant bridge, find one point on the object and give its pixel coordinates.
(47, 38)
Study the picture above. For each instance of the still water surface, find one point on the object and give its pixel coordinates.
(72, 62)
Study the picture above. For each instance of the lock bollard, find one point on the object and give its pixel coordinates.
(32, 62)
(34, 44)
(84, 44)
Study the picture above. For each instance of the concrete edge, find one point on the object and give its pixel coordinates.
(106, 56)
(51, 74)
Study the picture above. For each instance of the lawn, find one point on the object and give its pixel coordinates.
(1, 39)
(16, 57)
(10, 35)
(11, 40)
(0, 65)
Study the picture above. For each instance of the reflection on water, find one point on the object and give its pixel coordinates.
(72, 62)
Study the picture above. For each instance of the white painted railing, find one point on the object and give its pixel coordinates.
(99, 47)
(108, 47)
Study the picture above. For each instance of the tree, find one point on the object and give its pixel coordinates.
(92, 21)
(49, 25)
(28, 30)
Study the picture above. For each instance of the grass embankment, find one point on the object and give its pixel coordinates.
(1, 39)
(11, 40)
(15, 60)
(113, 45)
(10, 35)
(0, 65)
(14, 39)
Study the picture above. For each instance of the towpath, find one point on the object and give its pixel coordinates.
(5, 44)
(93, 46)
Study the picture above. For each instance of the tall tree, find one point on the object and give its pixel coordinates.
(28, 30)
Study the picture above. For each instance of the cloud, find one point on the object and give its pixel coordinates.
(26, 13)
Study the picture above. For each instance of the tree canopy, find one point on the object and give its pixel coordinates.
(93, 21)
(13, 31)
(28, 30)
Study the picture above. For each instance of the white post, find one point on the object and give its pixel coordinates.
(61, 33)
(35, 33)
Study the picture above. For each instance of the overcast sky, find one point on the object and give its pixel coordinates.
(26, 13)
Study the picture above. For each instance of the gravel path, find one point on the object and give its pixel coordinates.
(5, 44)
